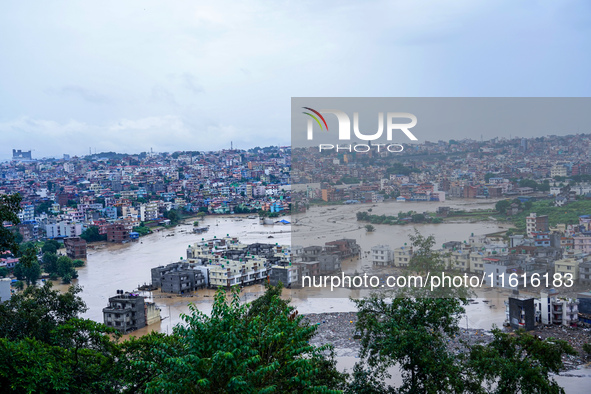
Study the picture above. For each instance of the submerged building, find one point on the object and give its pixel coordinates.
(128, 312)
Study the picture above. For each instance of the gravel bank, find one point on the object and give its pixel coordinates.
(338, 329)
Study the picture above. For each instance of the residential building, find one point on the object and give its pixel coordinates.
(125, 312)
(402, 256)
(522, 313)
(558, 170)
(569, 265)
(75, 247)
(287, 274)
(558, 310)
(117, 233)
(536, 224)
(382, 255)
(585, 273)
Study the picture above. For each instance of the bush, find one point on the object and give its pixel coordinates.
(78, 263)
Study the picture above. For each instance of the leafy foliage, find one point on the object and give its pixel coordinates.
(28, 267)
(91, 234)
(50, 246)
(517, 363)
(424, 259)
(65, 268)
(413, 333)
(49, 261)
(9, 208)
(237, 351)
(37, 311)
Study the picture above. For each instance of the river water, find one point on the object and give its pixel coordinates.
(112, 267)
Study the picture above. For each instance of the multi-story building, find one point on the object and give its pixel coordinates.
(149, 211)
(182, 281)
(242, 273)
(558, 170)
(64, 229)
(118, 233)
(180, 277)
(125, 312)
(522, 313)
(585, 273)
(536, 224)
(497, 273)
(568, 265)
(75, 248)
(477, 262)
(458, 260)
(402, 256)
(27, 214)
(287, 274)
(582, 242)
(382, 255)
(558, 310)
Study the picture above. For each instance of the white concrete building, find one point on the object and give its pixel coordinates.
(382, 255)
(559, 310)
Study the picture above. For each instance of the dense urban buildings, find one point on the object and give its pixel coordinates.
(115, 193)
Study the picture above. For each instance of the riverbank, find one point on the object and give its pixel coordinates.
(338, 329)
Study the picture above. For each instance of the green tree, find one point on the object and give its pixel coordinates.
(28, 267)
(50, 246)
(80, 356)
(172, 215)
(236, 351)
(64, 265)
(502, 206)
(418, 218)
(411, 333)
(517, 363)
(3, 272)
(9, 209)
(49, 261)
(369, 228)
(44, 207)
(37, 311)
(91, 234)
(424, 259)
(78, 263)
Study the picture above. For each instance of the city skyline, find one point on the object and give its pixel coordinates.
(130, 77)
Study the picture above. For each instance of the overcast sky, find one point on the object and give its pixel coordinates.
(128, 76)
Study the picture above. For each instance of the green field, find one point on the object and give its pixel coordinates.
(568, 214)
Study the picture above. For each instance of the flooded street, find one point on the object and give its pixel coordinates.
(128, 266)
(326, 223)
(112, 267)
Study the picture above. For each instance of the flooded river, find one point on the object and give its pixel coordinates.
(112, 267)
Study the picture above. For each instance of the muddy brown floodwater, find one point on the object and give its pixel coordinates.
(112, 267)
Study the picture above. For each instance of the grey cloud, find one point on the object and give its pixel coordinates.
(162, 95)
(83, 93)
(190, 82)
